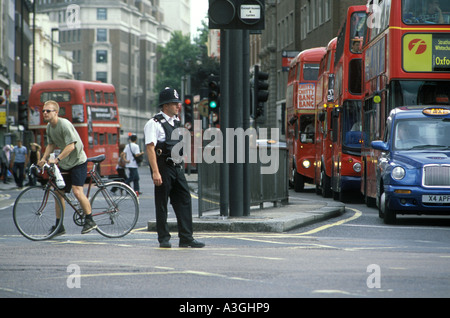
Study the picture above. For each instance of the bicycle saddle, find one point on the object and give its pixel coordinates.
(96, 159)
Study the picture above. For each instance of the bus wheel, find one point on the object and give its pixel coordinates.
(325, 182)
(299, 182)
(389, 216)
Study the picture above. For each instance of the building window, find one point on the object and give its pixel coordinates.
(313, 11)
(102, 35)
(304, 22)
(102, 77)
(327, 10)
(102, 14)
(308, 16)
(320, 8)
(102, 56)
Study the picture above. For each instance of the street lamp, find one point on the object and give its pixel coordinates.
(53, 30)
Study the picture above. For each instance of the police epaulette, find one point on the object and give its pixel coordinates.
(159, 118)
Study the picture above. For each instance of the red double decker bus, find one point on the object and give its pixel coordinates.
(300, 116)
(346, 115)
(90, 106)
(324, 106)
(406, 62)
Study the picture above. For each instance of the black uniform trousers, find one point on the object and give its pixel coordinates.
(175, 187)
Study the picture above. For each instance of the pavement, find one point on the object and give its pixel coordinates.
(276, 218)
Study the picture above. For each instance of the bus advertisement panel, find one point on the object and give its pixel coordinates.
(93, 110)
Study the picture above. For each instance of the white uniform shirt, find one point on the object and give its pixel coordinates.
(154, 131)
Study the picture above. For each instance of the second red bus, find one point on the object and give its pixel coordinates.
(300, 116)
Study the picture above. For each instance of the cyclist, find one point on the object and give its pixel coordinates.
(72, 159)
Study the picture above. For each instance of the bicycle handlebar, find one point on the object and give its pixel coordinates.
(39, 169)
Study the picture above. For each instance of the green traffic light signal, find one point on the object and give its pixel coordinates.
(214, 92)
(212, 104)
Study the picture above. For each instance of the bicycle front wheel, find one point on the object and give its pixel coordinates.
(115, 209)
(34, 213)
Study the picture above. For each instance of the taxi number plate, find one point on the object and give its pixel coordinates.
(436, 198)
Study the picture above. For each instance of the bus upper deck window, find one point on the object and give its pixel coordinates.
(425, 12)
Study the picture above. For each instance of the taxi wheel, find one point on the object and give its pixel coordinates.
(389, 216)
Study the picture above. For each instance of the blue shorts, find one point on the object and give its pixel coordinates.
(75, 176)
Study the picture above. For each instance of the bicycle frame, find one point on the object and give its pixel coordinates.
(94, 178)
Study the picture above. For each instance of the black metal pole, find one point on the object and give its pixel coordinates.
(236, 121)
(246, 119)
(224, 119)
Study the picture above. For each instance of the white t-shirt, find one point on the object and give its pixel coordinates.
(136, 150)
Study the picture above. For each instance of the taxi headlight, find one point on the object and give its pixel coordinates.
(398, 173)
(357, 167)
(306, 164)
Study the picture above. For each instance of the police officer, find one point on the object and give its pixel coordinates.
(167, 172)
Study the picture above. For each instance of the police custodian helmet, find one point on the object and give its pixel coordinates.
(168, 95)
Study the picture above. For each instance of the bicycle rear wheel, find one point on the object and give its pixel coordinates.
(115, 209)
(34, 213)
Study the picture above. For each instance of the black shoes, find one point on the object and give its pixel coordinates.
(165, 245)
(89, 225)
(61, 231)
(193, 244)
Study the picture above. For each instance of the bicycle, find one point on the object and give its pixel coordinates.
(115, 206)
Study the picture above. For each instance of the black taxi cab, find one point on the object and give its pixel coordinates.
(413, 171)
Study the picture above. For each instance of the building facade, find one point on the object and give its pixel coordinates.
(45, 63)
(15, 40)
(114, 41)
(177, 14)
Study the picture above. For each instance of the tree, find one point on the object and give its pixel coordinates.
(180, 57)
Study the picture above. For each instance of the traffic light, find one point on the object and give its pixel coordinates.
(188, 105)
(214, 93)
(236, 14)
(260, 91)
(23, 111)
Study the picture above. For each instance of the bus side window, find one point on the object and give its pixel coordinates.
(99, 97)
(95, 138)
(102, 139)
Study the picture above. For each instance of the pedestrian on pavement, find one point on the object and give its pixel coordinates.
(132, 151)
(121, 164)
(4, 158)
(72, 160)
(167, 172)
(18, 162)
(33, 158)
